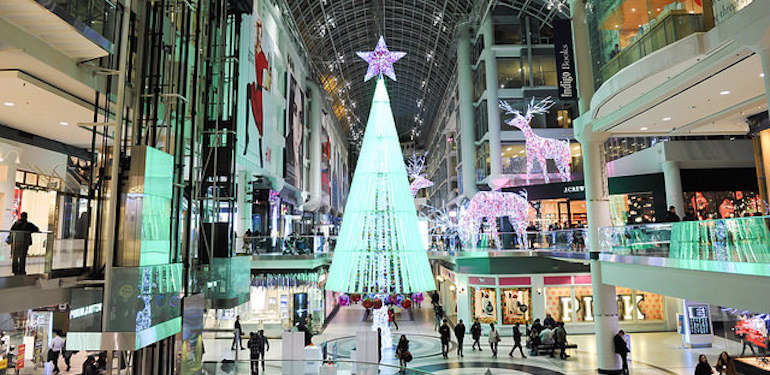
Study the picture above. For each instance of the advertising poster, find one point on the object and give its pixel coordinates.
(256, 84)
(192, 334)
(516, 304)
(294, 133)
(326, 162)
(484, 304)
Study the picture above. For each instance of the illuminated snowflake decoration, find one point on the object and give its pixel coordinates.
(380, 61)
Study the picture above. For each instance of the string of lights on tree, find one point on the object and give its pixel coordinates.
(379, 250)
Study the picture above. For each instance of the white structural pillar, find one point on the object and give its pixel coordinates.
(465, 102)
(582, 47)
(598, 209)
(316, 105)
(493, 110)
(673, 181)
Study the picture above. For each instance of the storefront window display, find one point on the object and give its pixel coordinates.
(633, 305)
(724, 204)
(484, 304)
(630, 209)
(516, 304)
(558, 303)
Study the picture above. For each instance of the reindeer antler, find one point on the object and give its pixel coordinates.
(541, 107)
(415, 165)
(508, 109)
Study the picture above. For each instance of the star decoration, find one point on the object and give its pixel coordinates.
(380, 61)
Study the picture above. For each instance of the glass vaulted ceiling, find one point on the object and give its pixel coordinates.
(333, 30)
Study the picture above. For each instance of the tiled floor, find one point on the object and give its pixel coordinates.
(653, 353)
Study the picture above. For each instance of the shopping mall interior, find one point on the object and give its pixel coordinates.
(384, 187)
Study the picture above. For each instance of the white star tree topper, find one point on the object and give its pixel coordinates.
(380, 60)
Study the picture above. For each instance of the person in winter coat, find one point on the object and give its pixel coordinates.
(402, 352)
(517, 341)
(703, 367)
(494, 339)
(621, 349)
(460, 335)
(476, 334)
(725, 365)
(560, 340)
(444, 331)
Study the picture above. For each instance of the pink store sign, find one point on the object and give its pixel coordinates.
(505, 281)
(482, 281)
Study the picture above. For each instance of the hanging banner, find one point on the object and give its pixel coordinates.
(565, 59)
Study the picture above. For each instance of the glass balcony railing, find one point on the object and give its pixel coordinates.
(291, 245)
(668, 29)
(743, 240)
(94, 18)
(552, 240)
(38, 253)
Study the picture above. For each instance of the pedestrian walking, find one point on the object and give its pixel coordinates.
(439, 313)
(621, 348)
(703, 367)
(56, 346)
(725, 365)
(517, 341)
(263, 345)
(444, 332)
(20, 240)
(237, 334)
(494, 339)
(476, 334)
(403, 354)
(392, 317)
(460, 335)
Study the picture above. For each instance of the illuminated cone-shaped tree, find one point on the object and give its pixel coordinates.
(379, 249)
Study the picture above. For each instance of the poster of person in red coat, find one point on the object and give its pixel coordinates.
(259, 82)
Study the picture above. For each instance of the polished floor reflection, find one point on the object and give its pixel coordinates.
(653, 353)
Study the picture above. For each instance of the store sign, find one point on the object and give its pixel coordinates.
(574, 189)
(85, 311)
(20, 357)
(753, 329)
(723, 9)
(565, 59)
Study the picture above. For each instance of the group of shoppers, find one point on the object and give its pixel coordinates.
(725, 365)
(551, 335)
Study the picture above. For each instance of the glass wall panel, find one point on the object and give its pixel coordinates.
(623, 31)
(509, 73)
(507, 33)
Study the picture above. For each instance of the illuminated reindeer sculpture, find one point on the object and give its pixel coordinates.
(490, 205)
(538, 148)
(414, 168)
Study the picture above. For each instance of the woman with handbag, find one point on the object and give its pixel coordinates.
(494, 339)
(725, 364)
(402, 352)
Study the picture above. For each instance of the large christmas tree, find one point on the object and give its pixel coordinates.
(379, 249)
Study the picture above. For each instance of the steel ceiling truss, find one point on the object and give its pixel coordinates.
(333, 30)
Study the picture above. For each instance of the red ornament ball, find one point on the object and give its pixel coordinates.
(367, 304)
(355, 298)
(406, 304)
(377, 304)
